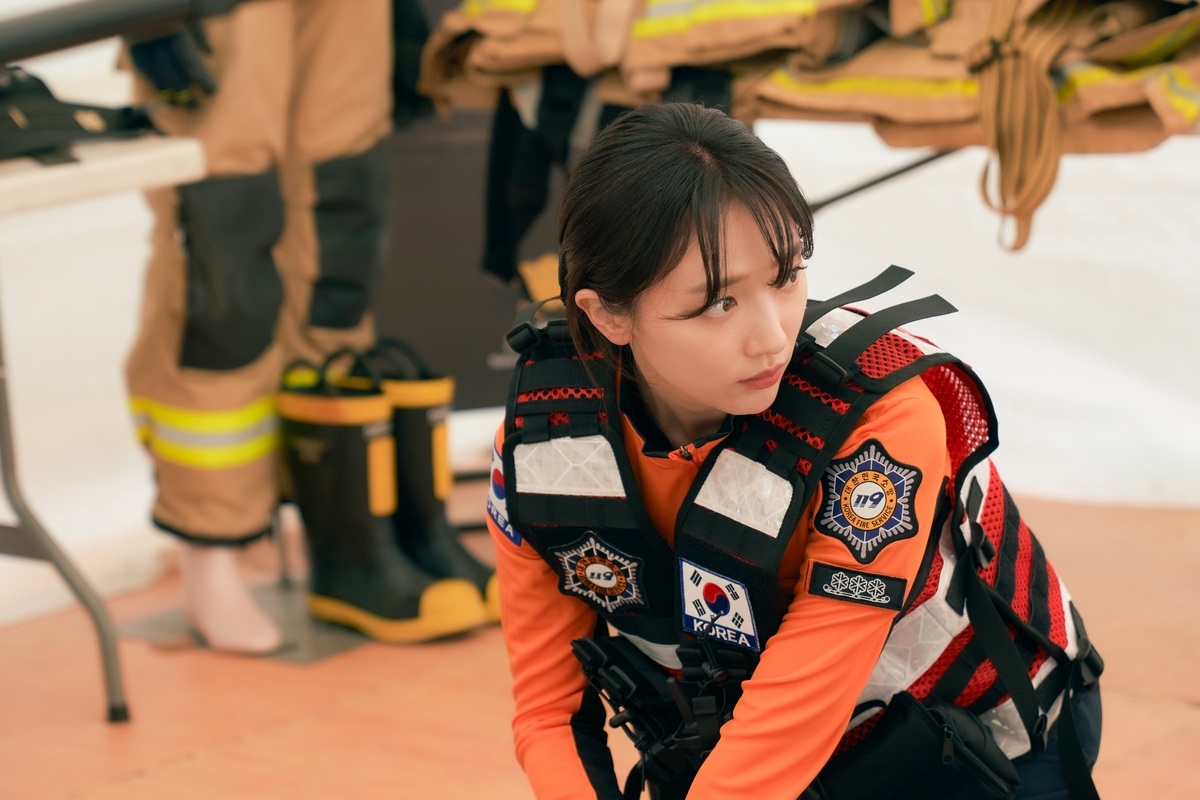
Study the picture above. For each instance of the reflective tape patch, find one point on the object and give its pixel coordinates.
(868, 501)
(207, 439)
(675, 17)
(747, 492)
(578, 467)
(865, 588)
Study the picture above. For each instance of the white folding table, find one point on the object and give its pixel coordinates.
(103, 167)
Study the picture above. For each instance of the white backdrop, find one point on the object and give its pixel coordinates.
(1086, 339)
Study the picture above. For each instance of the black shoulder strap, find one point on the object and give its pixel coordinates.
(885, 281)
(836, 362)
(992, 633)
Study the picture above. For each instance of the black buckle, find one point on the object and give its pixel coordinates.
(829, 369)
(524, 337)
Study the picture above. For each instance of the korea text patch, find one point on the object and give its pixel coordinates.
(868, 501)
(496, 507)
(718, 605)
(867, 588)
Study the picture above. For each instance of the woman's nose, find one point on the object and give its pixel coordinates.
(767, 335)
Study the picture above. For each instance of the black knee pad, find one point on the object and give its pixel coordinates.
(351, 218)
(229, 226)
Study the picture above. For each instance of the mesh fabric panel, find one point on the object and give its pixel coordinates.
(991, 517)
(888, 354)
(964, 412)
(559, 418)
(1020, 601)
(840, 406)
(923, 685)
(780, 421)
(561, 394)
(931, 583)
(857, 733)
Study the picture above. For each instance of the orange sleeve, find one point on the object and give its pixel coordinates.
(797, 705)
(548, 684)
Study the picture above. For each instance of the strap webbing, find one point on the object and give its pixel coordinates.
(850, 345)
(885, 281)
(992, 633)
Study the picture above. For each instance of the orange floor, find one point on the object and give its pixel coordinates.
(432, 721)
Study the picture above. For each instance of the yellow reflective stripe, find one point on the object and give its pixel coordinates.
(1182, 94)
(933, 11)
(1163, 47)
(419, 394)
(207, 439)
(473, 8)
(206, 421)
(674, 24)
(334, 410)
(301, 378)
(218, 457)
(879, 85)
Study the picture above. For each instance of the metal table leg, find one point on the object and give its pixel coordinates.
(29, 539)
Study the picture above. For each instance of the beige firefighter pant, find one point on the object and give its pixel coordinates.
(300, 82)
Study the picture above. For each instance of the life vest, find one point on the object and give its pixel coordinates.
(571, 493)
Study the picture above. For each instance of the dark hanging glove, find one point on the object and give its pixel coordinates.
(173, 64)
(410, 32)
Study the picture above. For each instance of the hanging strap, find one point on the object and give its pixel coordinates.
(524, 334)
(836, 362)
(885, 281)
(992, 633)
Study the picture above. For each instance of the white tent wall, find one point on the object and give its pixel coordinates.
(1086, 339)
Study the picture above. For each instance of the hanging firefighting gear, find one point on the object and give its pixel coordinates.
(985, 625)
(1030, 79)
(527, 143)
(341, 455)
(272, 257)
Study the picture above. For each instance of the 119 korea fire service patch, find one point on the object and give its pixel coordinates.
(868, 501)
(600, 574)
(718, 605)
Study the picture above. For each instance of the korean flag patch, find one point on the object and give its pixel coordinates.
(496, 507)
(717, 604)
(868, 501)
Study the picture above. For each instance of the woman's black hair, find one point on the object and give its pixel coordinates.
(652, 180)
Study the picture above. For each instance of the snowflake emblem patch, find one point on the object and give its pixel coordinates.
(600, 574)
(868, 501)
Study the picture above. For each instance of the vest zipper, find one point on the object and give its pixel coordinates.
(685, 453)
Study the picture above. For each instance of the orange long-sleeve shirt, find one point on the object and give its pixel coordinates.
(797, 705)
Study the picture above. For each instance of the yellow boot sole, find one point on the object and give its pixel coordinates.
(491, 601)
(446, 607)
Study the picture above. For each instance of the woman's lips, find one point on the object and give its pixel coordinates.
(764, 380)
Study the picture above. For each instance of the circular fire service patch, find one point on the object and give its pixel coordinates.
(868, 501)
(600, 574)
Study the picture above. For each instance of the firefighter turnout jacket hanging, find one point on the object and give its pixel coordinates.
(703, 610)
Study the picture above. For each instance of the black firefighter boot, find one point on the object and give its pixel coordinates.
(420, 402)
(341, 457)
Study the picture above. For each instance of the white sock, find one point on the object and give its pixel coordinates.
(219, 604)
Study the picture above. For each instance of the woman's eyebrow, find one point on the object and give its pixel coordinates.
(702, 288)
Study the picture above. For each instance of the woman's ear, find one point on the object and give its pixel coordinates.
(617, 328)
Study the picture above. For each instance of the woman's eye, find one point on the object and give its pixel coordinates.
(793, 277)
(721, 307)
